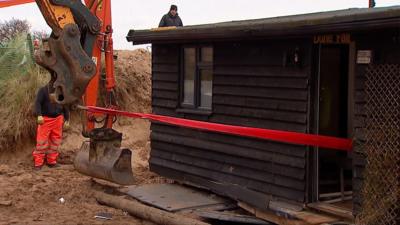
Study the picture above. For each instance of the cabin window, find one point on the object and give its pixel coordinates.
(197, 76)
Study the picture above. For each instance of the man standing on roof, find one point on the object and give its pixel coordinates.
(171, 19)
(50, 119)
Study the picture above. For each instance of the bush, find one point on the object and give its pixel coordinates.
(11, 29)
(17, 96)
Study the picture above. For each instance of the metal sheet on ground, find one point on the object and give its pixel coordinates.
(173, 197)
(230, 217)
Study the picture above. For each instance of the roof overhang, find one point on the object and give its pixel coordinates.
(288, 26)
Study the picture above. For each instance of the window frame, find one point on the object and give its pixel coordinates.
(196, 106)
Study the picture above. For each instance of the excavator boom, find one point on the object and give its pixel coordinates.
(81, 35)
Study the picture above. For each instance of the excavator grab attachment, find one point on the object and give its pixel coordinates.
(65, 54)
(70, 67)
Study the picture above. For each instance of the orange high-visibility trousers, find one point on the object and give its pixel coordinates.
(48, 139)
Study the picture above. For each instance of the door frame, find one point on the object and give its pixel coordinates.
(313, 153)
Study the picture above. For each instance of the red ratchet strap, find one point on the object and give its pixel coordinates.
(272, 135)
(7, 3)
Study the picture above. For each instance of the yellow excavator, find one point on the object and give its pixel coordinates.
(81, 36)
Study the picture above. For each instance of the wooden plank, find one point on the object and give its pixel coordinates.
(361, 70)
(249, 57)
(270, 53)
(165, 76)
(358, 171)
(229, 149)
(359, 121)
(360, 83)
(267, 82)
(163, 85)
(360, 97)
(358, 147)
(164, 67)
(302, 217)
(165, 54)
(269, 215)
(332, 210)
(273, 28)
(357, 183)
(145, 212)
(236, 170)
(357, 198)
(260, 103)
(194, 116)
(259, 123)
(314, 218)
(256, 144)
(359, 160)
(293, 117)
(217, 176)
(164, 111)
(260, 71)
(255, 164)
(359, 134)
(165, 103)
(271, 93)
(235, 192)
(360, 110)
(164, 94)
(230, 217)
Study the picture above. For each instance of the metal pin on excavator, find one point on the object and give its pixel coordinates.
(81, 34)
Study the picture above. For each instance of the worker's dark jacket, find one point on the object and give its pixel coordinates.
(43, 106)
(170, 21)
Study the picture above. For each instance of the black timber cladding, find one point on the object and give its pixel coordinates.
(174, 147)
(252, 86)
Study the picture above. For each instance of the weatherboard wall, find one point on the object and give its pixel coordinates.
(255, 84)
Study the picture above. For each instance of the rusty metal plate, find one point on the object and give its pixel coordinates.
(174, 197)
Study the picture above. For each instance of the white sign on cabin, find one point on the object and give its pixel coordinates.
(364, 56)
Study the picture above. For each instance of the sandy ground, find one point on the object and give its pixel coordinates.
(32, 197)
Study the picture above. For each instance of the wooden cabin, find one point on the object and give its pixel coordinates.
(312, 73)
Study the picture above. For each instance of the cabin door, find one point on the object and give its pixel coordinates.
(333, 167)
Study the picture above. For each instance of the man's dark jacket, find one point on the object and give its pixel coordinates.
(44, 107)
(168, 20)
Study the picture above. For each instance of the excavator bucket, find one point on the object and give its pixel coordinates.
(103, 158)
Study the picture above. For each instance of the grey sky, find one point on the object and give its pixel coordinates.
(135, 14)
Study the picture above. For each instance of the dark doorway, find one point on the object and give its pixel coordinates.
(334, 167)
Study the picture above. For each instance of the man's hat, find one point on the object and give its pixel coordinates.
(173, 7)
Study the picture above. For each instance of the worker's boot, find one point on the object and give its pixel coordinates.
(37, 168)
(54, 165)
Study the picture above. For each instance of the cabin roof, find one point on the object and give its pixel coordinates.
(355, 19)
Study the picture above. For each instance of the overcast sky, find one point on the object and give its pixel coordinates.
(135, 14)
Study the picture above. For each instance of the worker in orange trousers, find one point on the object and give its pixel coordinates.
(51, 118)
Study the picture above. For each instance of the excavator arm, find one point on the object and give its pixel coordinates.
(81, 35)
(74, 58)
